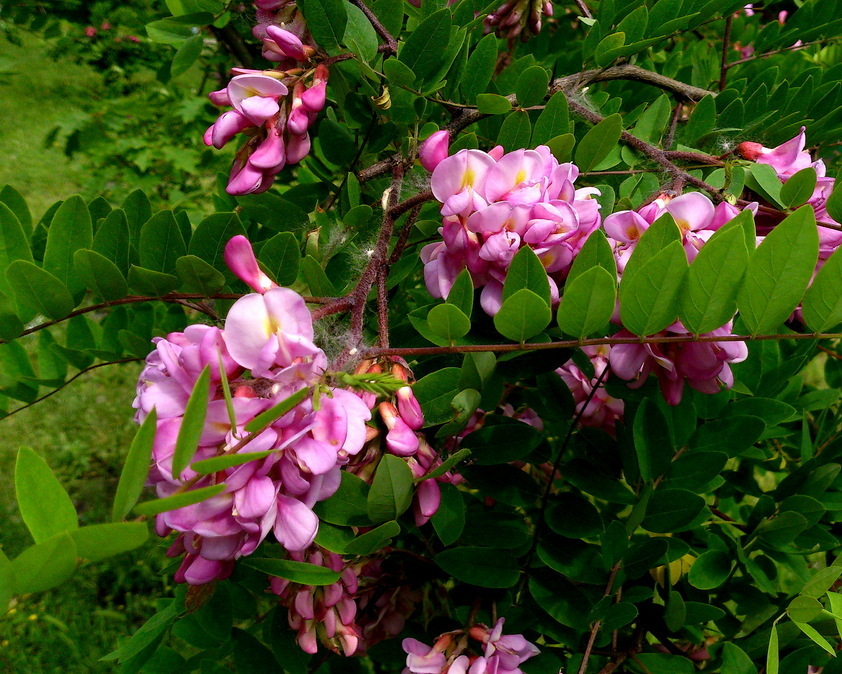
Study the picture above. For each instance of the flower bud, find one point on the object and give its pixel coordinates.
(239, 257)
(434, 150)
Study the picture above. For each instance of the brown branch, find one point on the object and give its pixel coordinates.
(583, 668)
(676, 116)
(595, 341)
(465, 117)
(584, 9)
(380, 29)
(726, 46)
(775, 52)
(382, 307)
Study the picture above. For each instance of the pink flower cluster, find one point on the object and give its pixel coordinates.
(271, 336)
(518, 18)
(403, 420)
(705, 366)
(501, 654)
(602, 411)
(493, 204)
(364, 607)
(273, 108)
(789, 158)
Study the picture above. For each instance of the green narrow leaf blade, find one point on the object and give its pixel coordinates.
(44, 505)
(136, 468)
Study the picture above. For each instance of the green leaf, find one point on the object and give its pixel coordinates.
(170, 31)
(493, 104)
(710, 570)
(461, 293)
(598, 142)
(702, 121)
(484, 567)
(816, 638)
(480, 68)
(798, 188)
(13, 243)
(100, 275)
(326, 21)
(45, 565)
(100, 541)
(526, 271)
(782, 529)
(573, 516)
(112, 239)
(516, 131)
(15, 202)
(138, 210)
(522, 316)
(595, 253)
(672, 510)
(217, 463)
(553, 121)
(44, 505)
(449, 520)
(588, 303)
(804, 609)
(501, 443)
(161, 243)
(197, 276)
(821, 581)
(435, 393)
(297, 572)
(694, 470)
(532, 86)
(147, 634)
(834, 202)
(735, 660)
(398, 74)
(151, 282)
(69, 231)
(422, 50)
(349, 505)
(192, 423)
(763, 179)
(136, 468)
(210, 238)
(275, 412)
(822, 307)
(176, 501)
(391, 490)
(655, 239)
(603, 54)
(778, 272)
(649, 297)
(652, 441)
(187, 54)
(316, 278)
(282, 255)
(709, 297)
(561, 146)
(37, 288)
(733, 435)
(372, 541)
(676, 612)
(772, 657)
(448, 463)
(448, 321)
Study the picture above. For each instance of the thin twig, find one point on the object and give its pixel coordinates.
(584, 9)
(583, 668)
(73, 378)
(774, 52)
(382, 307)
(595, 341)
(379, 28)
(726, 47)
(676, 115)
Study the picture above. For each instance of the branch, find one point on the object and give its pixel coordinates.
(726, 46)
(72, 379)
(595, 341)
(380, 29)
(567, 84)
(584, 9)
(774, 52)
(583, 668)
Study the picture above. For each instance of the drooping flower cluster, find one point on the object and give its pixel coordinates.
(788, 159)
(493, 204)
(705, 366)
(518, 18)
(501, 654)
(403, 420)
(267, 354)
(350, 616)
(273, 108)
(602, 411)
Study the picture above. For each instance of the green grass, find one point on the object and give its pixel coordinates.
(36, 95)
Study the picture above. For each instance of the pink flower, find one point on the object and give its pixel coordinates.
(433, 151)
(602, 411)
(239, 257)
(285, 42)
(787, 158)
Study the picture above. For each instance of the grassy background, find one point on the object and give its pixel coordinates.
(84, 430)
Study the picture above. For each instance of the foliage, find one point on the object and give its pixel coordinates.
(688, 521)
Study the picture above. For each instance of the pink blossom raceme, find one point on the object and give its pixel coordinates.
(518, 18)
(433, 151)
(494, 204)
(703, 365)
(602, 411)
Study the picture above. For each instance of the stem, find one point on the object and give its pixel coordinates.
(379, 28)
(726, 46)
(774, 52)
(584, 9)
(583, 668)
(73, 378)
(596, 341)
(670, 137)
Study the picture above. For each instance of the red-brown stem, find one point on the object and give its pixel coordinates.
(583, 668)
(596, 341)
(726, 47)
